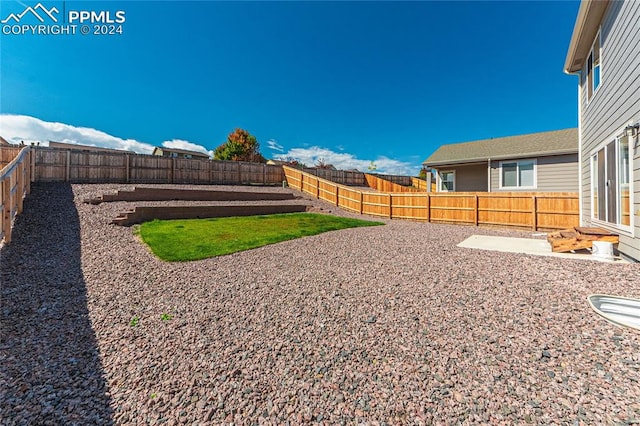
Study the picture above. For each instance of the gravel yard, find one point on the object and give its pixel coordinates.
(378, 325)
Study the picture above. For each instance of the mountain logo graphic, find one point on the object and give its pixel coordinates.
(38, 11)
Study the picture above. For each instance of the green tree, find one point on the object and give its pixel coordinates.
(423, 173)
(240, 146)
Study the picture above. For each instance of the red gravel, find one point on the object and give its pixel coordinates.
(378, 325)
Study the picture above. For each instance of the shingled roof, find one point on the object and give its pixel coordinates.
(531, 145)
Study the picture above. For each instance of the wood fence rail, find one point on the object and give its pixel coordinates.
(53, 164)
(529, 210)
(15, 184)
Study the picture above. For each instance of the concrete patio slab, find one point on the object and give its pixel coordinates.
(537, 247)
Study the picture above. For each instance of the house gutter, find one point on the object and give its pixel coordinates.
(587, 23)
(482, 160)
(580, 189)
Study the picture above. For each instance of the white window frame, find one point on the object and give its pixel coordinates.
(440, 173)
(518, 161)
(603, 198)
(589, 71)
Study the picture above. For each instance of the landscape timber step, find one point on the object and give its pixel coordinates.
(173, 194)
(144, 214)
(579, 238)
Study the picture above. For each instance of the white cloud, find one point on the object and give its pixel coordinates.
(273, 145)
(346, 161)
(180, 144)
(18, 128)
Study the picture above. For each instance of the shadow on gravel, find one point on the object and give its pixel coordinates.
(50, 372)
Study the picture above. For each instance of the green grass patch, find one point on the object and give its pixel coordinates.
(195, 239)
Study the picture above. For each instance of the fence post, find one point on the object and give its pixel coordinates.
(534, 212)
(302, 183)
(128, 164)
(28, 170)
(264, 174)
(477, 213)
(68, 173)
(20, 185)
(361, 201)
(317, 188)
(6, 208)
(428, 207)
(337, 196)
(239, 173)
(32, 152)
(390, 207)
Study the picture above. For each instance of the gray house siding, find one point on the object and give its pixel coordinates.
(470, 178)
(615, 104)
(558, 173)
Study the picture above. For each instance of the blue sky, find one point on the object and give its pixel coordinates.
(351, 82)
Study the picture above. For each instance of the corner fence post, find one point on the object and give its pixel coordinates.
(6, 208)
(428, 207)
(32, 159)
(534, 212)
(477, 212)
(68, 168)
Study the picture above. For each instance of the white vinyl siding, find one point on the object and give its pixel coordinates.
(616, 105)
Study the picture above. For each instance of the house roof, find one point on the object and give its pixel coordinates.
(531, 145)
(180, 151)
(584, 32)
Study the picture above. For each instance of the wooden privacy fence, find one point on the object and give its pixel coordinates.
(50, 164)
(384, 185)
(345, 177)
(531, 210)
(15, 184)
(422, 184)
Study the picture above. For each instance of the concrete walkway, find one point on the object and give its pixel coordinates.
(538, 247)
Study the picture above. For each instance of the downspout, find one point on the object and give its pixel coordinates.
(580, 188)
(489, 174)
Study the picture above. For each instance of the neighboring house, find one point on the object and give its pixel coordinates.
(605, 54)
(179, 153)
(86, 148)
(546, 161)
(3, 142)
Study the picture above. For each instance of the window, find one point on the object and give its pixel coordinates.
(610, 183)
(448, 181)
(593, 68)
(518, 174)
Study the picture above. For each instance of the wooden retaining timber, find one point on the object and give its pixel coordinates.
(144, 214)
(523, 210)
(579, 238)
(171, 194)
